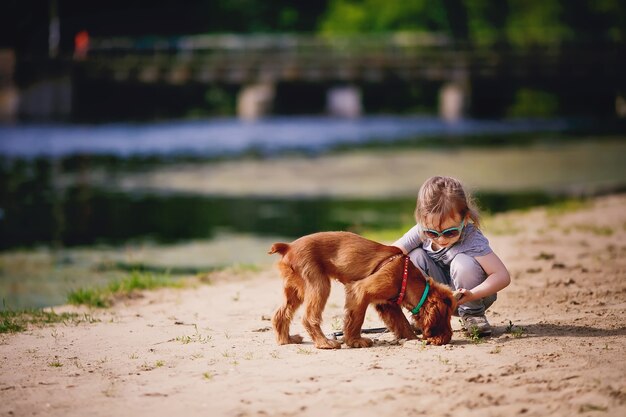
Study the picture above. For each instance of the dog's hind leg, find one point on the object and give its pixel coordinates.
(293, 291)
(316, 294)
(396, 321)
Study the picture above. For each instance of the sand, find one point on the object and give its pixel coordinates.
(558, 347)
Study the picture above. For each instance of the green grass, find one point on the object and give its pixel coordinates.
(500, 226)
(12, 321)
(594, 229)
(567, 206)
(515, 331)
(89, 297)
(196, 338)
(387, 234)
(474, 335)
(135, 281)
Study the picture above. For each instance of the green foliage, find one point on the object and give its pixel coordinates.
(349, 16)
(220, 101)
(536, 22)
(534, 103)
(520, 23)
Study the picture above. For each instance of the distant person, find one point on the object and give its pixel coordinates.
(81, 45)
(447, 244)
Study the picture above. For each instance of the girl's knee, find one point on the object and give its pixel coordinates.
(420, 258)
(466, 272)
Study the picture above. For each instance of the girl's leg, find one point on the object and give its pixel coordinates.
(466, 272)
(420, 259)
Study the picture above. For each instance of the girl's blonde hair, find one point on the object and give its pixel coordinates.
(445, 197)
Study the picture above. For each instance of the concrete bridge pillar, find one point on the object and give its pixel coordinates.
(454, 99)
(255, 100)
(620, 106)
(9, 96)
(344, 101)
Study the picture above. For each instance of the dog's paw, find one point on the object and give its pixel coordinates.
(328, 344)
(292, 339)
(361, 342)
(437, 340)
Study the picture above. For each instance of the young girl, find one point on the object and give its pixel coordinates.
(447, 245)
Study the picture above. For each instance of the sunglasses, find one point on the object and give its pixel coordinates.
(449, 233)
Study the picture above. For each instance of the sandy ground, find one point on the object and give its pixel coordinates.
(208, 350)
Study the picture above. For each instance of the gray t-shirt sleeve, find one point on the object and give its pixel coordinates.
(474, 243)
(411, 239)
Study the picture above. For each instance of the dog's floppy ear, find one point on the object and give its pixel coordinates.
(451, 301)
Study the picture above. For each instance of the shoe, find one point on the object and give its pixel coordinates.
(478, 324)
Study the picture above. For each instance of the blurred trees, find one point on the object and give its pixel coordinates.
(516, 22)
(24, 23)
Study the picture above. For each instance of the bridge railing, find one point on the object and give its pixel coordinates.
(294, 43)
(288, 57)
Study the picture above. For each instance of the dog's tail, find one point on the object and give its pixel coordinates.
(281, 248)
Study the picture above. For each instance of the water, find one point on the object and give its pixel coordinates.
(88, 216)
(36, 210)
(220, 137)
(54, 238)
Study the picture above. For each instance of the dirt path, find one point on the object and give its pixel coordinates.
(209, 351)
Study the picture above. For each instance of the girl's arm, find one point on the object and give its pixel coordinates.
(497, 278)
(409, 241)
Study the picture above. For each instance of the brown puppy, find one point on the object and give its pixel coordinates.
(372, 274)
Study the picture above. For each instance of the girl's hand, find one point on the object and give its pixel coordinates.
(463, 296)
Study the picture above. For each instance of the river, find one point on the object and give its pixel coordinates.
(227, 137)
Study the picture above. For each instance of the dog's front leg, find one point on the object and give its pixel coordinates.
(395, 320)
(356, 306)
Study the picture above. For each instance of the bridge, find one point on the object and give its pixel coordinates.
(257, 63)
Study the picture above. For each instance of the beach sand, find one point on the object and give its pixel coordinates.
(558, 347)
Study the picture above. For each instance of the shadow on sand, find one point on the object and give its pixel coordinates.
(556, 330)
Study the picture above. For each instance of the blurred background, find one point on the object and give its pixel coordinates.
(181, 137)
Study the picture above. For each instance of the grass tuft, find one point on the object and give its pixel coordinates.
(89, 297)
(125, 287)
(14, 321)
(515, 331)
(9, 324)
(474, 335)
